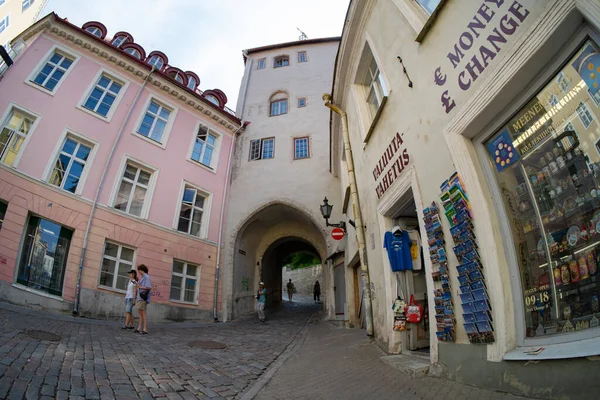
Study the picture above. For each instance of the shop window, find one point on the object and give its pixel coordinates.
(184, 282)
(44, 256)
(550, 185)
(262, 149)
(15, 129)
(117, 261)
(3, 207)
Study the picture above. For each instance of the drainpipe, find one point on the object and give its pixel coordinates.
(102, 178)
(360, 229)
(225, 191)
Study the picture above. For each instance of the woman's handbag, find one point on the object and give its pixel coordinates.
(144, 295)
(414, 311)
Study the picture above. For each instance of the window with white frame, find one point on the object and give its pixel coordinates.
(370, 77)
(563, 81)
(184, 282)
(103, 95)
(585, 115)
(53, 70)
(133, 52)
(26, 4)
(302, 102)
(302, 57)
(14, 131)
(155, 121)
(261, 63)
(133, 189)
(119, 40)
(192, 83)
(94, 31)
(281, 61)
(156, 61)
(204, 146)
(4, 22)
(177, 76)
(552, 100)
(3, 207)
(301, 148)
(117, 261)
(279, 107)
(262, 149)
(212, 99)
(428, 5)
(595, 97)
(191, 212)
(70, 164)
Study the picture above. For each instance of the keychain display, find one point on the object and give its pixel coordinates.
(473, 290)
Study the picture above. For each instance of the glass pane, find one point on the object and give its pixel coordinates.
(144, 177)
(190, 284)
(66, 63)
(127, 255)
(549, 178)
(130, 172)
(195, 230)
(103, 82)
(164, 114)
(153, 107)
(176, 281)
(106, 279)
(175, 294)
(192, 270)
(138, 201)
(188, 195)
(83, 152)
(184, 224)
(122, 282)
(189, 295)
(178, 267)
(115, 88)
(111, 249)
(146, 124)
(71, 183)
(199, 201)
(12, 149)
(107, 272)
(76, 169)
(158, 130)
(92, 101)
(197, 150)
(123, 196)
(55, 59)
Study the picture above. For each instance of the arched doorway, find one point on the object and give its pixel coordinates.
(260, 246)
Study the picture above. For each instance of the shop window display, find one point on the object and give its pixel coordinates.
(548, 170)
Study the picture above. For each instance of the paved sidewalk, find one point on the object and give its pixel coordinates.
(343, 364)
(94, 359)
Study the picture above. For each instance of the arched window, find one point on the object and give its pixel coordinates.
(178, 76)
(281, 61)
(133, 52)
(279, 104)
(94, 30)
(192, 83)
(212, 99)
(156, 61)
(119, 40)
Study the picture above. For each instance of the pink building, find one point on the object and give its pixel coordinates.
(98, 126)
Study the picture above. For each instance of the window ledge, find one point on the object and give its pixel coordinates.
(185, 303)
(39, 293)
(40, 88)
(557, 351)
(199, 164)
(111, 289)
(377, 115)
(149, 140)
(93, 113)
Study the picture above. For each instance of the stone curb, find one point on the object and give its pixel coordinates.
(291, 348)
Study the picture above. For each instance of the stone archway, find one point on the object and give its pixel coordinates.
(258, 245)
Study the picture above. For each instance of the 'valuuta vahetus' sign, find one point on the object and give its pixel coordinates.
(394, 160)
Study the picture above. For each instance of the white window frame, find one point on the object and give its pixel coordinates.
(300, 59)
(209, 98)
(122, 38)
(261, 149)
(287, 107)
(5, 21)
(12, 106)
(302, 99)
(282, 57)
(307, 138)
(42, 63)
(169, 126)
(153, 64)
(127, 159)
(552, 100)
(124, 85)
(192, 84)
(416, 16)
(206, 211)
(93, 29)
(593, 97)
(70, 133)
(214, 162)
(183, 275)
(587, 111)
(118, 261)
(561, 79)
(25, 4)
(261, 63)
(132, 51)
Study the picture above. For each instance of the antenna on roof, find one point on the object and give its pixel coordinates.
(302, 35)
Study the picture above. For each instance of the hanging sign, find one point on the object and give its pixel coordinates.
(337, 233)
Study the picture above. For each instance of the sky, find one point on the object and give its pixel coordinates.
(208, 36)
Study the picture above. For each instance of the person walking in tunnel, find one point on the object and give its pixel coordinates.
(317, 292)
(291, 289)
(261, 297)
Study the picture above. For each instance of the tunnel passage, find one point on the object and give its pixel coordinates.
(261, 245)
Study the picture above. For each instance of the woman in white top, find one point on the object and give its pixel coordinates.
(130, 299)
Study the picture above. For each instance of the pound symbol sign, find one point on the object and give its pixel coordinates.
(447, 102)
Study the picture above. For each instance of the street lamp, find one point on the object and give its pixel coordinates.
(326, 213)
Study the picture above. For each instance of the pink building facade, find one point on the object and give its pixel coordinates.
(95, 125)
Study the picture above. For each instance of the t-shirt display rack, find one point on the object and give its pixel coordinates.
(473, 290)
(444, 309)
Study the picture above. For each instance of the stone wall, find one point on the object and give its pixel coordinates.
(304, 279)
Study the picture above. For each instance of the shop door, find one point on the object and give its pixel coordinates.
(418, 337)
(339, 288)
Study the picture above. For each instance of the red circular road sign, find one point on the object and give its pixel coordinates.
(337, 233)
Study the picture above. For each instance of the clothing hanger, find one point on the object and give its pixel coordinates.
(396, 230)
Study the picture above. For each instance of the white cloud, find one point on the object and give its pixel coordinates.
(208, 37)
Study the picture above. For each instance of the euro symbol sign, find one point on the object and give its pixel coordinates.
(439, 79)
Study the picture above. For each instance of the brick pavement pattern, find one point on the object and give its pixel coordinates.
(97, 360)
(340, 363)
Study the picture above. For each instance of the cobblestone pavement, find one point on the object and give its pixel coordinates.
(339, 363)
(94, 359)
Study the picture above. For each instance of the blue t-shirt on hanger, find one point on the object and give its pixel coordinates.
(398, 249)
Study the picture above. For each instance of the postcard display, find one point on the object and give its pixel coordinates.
(473, 290)
(444, 309)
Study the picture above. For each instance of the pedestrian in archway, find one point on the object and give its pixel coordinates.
(317, 292)
(143, 298)
(261, 298)
(291, 289)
